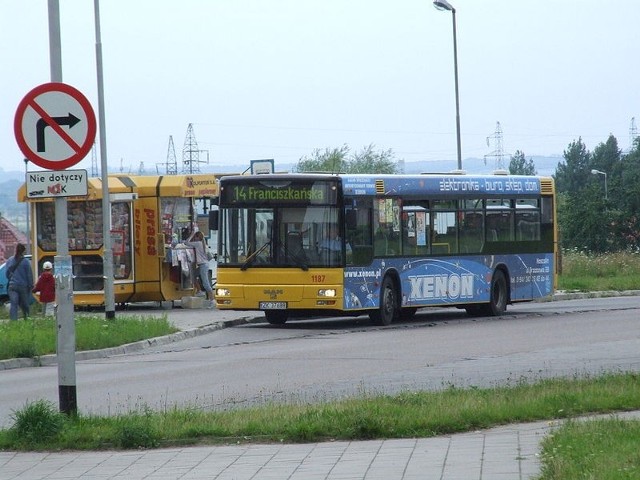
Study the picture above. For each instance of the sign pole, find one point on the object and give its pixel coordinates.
(66, 332)
(26, 174)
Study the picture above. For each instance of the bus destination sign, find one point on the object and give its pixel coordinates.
(279, 193)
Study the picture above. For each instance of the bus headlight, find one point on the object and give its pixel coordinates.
(223, 292)
(328, 292)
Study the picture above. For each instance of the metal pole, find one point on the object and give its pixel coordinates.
(28, 226)
(455, 69)
(107, 254)
(66, 333)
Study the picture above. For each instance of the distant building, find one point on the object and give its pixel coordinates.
(10, 236)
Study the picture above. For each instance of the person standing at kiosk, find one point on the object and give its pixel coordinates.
(196, 240)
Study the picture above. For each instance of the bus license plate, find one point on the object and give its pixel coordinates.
(272, 305)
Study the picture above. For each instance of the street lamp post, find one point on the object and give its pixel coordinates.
(444, 5)
(598, 172)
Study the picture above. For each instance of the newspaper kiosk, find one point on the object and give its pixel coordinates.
(150, 217)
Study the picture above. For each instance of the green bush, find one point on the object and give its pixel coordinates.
(136, 431)
(37, 423)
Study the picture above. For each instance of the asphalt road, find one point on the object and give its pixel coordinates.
(321, 359)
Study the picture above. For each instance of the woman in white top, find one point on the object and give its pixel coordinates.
(196, 240)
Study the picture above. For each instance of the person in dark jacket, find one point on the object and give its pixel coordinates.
(46, 286)
(20, 279)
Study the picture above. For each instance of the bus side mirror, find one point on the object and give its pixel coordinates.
(351, 219)
(213, 220)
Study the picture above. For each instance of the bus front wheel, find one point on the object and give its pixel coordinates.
(276, 317)
(389, 305)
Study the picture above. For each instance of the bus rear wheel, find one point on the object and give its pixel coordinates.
(497, 295)
(389, 309)
(276, 317)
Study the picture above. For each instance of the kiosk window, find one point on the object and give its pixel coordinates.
(176, 217)
(84, 225)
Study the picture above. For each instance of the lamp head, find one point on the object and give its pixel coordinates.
(443, 5)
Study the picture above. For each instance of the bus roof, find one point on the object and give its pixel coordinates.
(427, 184)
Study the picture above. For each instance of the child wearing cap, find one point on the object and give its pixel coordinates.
(46, 285)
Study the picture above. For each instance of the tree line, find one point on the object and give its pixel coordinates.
(598, 197)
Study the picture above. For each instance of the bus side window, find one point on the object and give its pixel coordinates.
(471, 237)
(546, 220)
(358, 232)
(415, 229)
(380, 241)
(527, 220)
(409, 233)
(492, 227)
(527, 226)
(361, 254)
(445, 227)
(386, 224)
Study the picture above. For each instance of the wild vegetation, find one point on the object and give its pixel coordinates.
(585, 272)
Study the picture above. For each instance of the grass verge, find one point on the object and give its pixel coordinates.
(407, 415)
(36, 336)
(604, 449)
(588, 272)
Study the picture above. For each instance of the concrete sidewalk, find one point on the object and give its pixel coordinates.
(505, 453)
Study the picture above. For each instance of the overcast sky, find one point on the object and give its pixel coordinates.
(280, 78)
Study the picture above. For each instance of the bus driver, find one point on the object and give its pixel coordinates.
(332, 241)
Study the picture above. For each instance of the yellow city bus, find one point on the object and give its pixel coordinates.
(478, 242)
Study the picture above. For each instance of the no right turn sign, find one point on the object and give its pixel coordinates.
(55, 126)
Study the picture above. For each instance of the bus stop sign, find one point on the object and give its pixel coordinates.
(55, 126)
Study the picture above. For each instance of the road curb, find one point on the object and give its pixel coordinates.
(564, 295)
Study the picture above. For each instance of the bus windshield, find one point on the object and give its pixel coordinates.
(301, 237)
